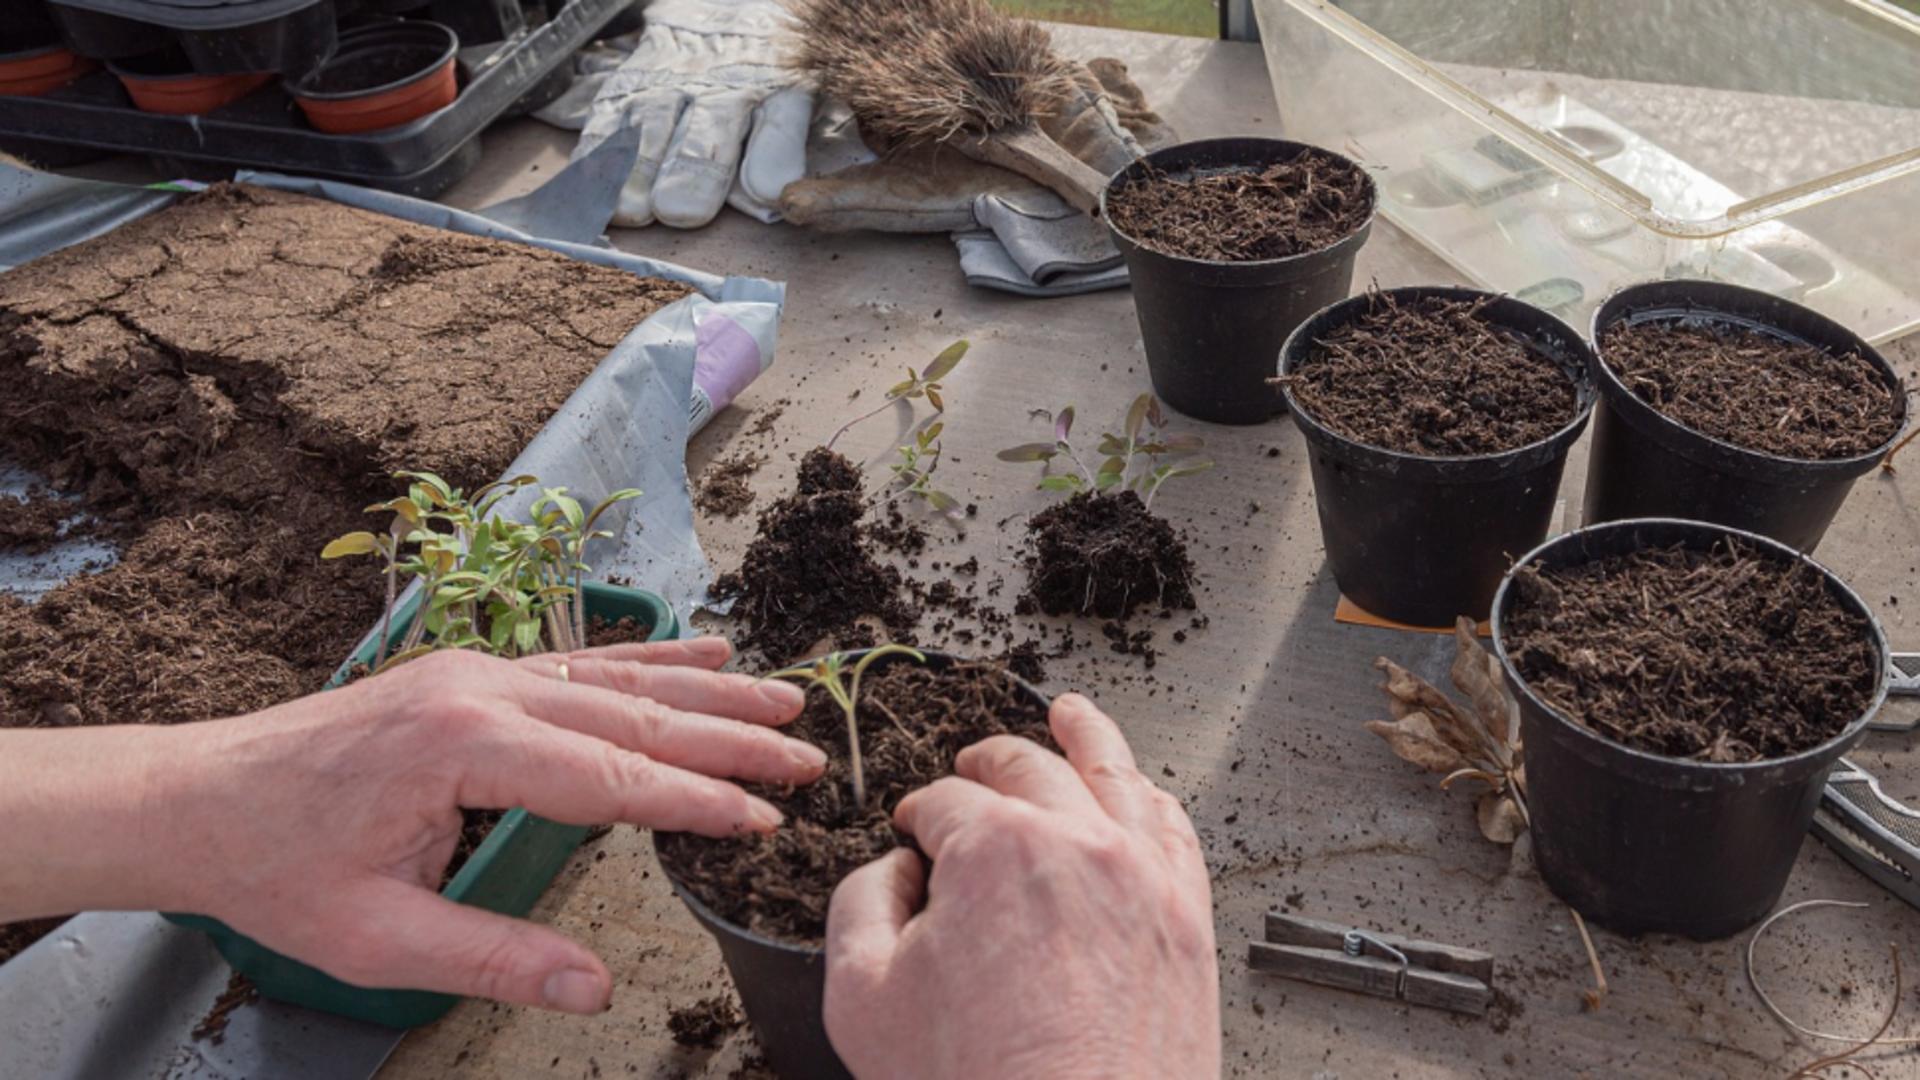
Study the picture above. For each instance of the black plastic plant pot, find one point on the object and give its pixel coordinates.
(507, 873)
(1423, 540)
(1643, 843)
(26, 24)
(782, 984)
(1212, 329)
(1643, 464)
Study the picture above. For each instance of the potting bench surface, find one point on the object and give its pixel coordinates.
(1255, 722)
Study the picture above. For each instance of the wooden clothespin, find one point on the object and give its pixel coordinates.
(1383, 965)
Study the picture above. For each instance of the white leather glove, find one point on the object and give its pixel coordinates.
(709, 92)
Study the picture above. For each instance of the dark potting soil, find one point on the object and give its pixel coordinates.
(1105, 555)
(811, 572)
(226, 384)
(1433, 377)
(625, 630)
(1731, 655)
(1755, 390)
(722, 490)
(706, 1023)
(1245, 215)
(35, 522)
(15, 937)
(913, 721)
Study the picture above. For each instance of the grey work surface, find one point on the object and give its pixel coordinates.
(1256, 720)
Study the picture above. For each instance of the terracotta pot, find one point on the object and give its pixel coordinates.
(39, 71)
(381, 76)
(168, 84)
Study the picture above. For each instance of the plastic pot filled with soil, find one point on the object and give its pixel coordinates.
(503, 864)
(380, 76)
(1437, 423)
(166, 83)
(1684, 689)
(1230, 244)
(1733, 406)
(764, 898)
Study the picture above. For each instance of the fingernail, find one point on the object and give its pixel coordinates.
(806, 755)
(576, 991)
(782, 695)
(762, 814)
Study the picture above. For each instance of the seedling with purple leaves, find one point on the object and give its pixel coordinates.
(1140, 459)
(924, 385)
(913, 473)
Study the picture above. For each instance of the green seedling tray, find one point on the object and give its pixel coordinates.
(507, 874)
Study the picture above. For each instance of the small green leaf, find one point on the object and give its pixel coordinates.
(944, 364)
(354, 543)
(1182, 444)
(1106, 480)
(1137, 414)
(941, 501)
(933, 397)
(1111, 444)
(931, 433)
(1070, 482)
(1187, 468)
(1116, 465)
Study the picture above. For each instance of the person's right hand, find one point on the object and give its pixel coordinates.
(1067, 932)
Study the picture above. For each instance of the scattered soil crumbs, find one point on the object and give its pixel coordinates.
(1105, 555)
(1240, 215)
(250, 366)
(33, 524)
(213, 1026)
(1755, 390)
(723, 490)
(1433, 377)
(706, 1023)
(779, 885)
(1729, 655)
(811, 571)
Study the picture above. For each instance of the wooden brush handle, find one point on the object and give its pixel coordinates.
(1031, 153)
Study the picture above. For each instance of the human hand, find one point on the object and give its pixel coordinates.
(709, 91)
(1067, 932)
(321, 828)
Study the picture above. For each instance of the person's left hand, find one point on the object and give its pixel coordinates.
(321, 828)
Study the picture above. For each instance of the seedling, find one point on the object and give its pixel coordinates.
(924, 385)
(913, 473)
(827, 674)
(487, 582)
(1134, 460)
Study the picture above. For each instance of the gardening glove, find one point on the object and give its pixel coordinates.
(1012, 233)
(721, 118)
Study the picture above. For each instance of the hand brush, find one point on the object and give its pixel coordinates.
(955, 72)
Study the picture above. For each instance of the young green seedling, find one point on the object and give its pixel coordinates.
(487, 582)
(924, 385)
(826, 673)
(913, 473)
(1133, 460)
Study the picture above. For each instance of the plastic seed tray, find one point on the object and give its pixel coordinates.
(265, 130)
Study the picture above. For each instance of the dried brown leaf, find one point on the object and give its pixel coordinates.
(1408, 693)
(1414, 740)
(1500, 819)
(1493, 781)
(1477, 674)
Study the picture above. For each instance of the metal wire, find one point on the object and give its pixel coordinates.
(1753, 979)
